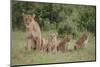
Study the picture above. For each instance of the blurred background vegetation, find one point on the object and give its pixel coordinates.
(64, 18)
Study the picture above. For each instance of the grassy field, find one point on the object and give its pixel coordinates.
(22, 56)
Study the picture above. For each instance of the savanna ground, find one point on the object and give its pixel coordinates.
(22, 56)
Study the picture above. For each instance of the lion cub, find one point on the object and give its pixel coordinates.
(52, 42)
(63, 43)
(83, 40)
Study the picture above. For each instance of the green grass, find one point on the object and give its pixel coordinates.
(22, 56)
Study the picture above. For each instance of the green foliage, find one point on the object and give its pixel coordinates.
(66, 28)
(67, 19)
(87, 18)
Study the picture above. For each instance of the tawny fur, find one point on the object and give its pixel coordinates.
(63, 44)
(33, 31)
(52, 43)
(83, 40)
(44, 43)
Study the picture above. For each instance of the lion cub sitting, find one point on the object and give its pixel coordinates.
(63, 43)
(83, 40)
(52, 43)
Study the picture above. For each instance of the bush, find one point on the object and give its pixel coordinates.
(67, 29)
(67, 19)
